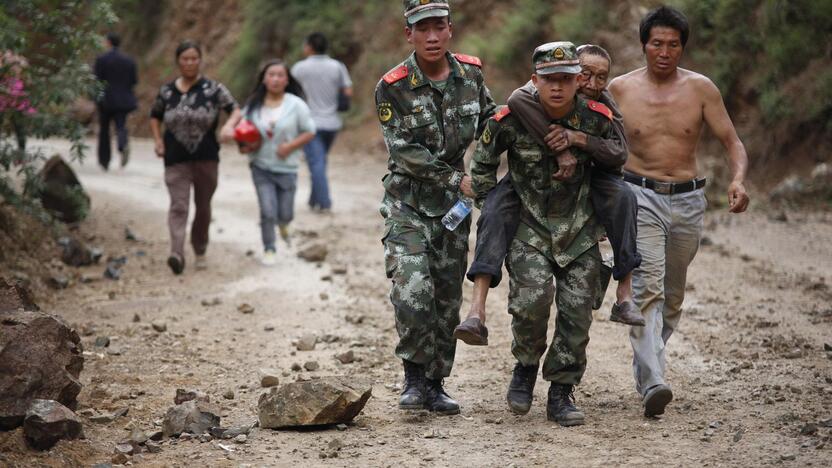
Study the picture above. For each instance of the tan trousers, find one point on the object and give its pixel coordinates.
(669, 229)
(179, 178)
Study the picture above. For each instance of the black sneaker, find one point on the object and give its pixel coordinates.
(561, 406)
(521, 389)
(437, 400)
(413, 393)
(176, 264)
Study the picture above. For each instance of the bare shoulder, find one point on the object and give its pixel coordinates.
(701, 83)
(622, 82)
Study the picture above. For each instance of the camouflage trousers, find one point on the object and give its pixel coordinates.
(531, 294)
(427, 264)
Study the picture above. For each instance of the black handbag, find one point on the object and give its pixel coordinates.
(343, 101)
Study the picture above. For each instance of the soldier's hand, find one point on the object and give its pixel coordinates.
(465, 187)
(566, 166)
(737, 198)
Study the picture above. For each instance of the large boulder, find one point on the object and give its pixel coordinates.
(314, 403)
(61, 191)
(194, 416)
(47, 422)
(40, 358)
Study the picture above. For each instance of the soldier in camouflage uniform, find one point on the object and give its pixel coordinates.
(431, 107)
(558, 233)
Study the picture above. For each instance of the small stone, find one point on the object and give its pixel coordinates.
(183, 395)
(241, 439)
(339, 269)
(102, 341)
(715, 424)
(324, 296)
(738, 435)
(126, 449)
(315, 252)
(809, 429)
(268, 378)
(228, 395)
(136, 318)
(156, 435)
(138, 437)
(827, 347)
(268, 328)
(311, 365)
(204, 438)
(245, 308)
(211, 302)
(341, 427)
(152, 446)
(159, 326)
(794, 354)
(788, 457)
(58, 281)
(47, 421)
(306, 343)
(346, 357)
(296, 367)
(120, 459)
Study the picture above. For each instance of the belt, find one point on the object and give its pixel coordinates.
(665, 188)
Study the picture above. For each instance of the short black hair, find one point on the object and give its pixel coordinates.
(114, 39)
(664, 16)
(317, 41)
(188, 44)
(596, 50)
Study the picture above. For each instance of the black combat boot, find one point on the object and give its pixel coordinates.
(561, 406)
(521, 389)
(437, 400)
(413, 393)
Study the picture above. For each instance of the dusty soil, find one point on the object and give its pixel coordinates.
(748, 365)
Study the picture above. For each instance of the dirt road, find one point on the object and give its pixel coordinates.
(748, 365)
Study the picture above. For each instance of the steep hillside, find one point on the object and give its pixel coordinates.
(779, 91)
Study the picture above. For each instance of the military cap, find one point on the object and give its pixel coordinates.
(417, 10)
(556, 57)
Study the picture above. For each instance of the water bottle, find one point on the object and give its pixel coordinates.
(460, 210)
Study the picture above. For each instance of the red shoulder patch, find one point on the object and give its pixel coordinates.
(599, 108)
(469, 59)
(396, 74)
(502, 113)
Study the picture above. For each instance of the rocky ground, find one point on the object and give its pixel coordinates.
(751, 375)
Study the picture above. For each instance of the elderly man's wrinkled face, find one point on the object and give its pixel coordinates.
(595, 71)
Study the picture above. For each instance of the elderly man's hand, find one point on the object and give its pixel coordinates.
(566, 166)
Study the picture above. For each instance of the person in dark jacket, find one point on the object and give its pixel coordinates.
(118, 73)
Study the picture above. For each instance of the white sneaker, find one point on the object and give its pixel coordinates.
(269, 258)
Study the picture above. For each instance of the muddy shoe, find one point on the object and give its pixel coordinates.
(472, 331)
(656, 399)
(521, 389)
(176, 264)
(437, 400)
(627, 313)
(561, 406)
(413, 393)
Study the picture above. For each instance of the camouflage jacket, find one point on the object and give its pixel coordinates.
(427, 130)
(557, 218)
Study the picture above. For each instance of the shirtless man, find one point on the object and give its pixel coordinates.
(665, 108)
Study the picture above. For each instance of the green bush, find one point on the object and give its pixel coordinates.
(58, 39)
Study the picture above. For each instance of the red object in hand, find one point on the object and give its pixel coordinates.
(246, 132)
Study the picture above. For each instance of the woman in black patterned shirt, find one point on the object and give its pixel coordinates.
(189, 108)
